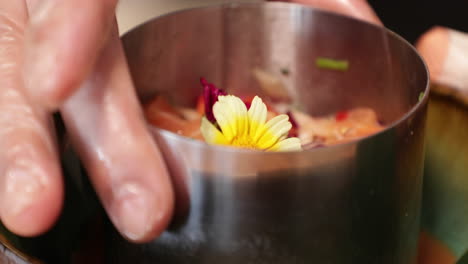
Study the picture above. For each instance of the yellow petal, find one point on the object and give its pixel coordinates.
(275, 129)
(211, 134)
(248, 128)
(279, 125)
(231, 114)
(242, 116)
(289, 144)
(257, 117)
(225, 117)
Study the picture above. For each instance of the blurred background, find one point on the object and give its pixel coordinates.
(134, 12)
(409, 18)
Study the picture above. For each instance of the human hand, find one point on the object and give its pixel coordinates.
(66, 56)
(445, 51)
(445, 233)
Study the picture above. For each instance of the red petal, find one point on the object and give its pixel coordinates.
(210, 97)
(342, 115)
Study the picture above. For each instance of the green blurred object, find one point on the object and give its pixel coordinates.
(331, 64)
(445, 198)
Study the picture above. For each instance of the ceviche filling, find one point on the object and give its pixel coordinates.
(251, 122)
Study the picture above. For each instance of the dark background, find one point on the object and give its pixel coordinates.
(411, 18)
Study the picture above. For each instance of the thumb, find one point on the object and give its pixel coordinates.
(446, 53)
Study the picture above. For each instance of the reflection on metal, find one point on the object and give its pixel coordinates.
(353, 203)
(9, 254)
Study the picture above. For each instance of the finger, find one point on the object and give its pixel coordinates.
(109, 131)
(62, 43)
(31, 4)
(359, 9)
(446, 54)
(433, 46)
(30, 183)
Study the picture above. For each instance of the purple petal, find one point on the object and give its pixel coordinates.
(210, 97)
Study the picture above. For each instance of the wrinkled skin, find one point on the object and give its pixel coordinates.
(66, 56)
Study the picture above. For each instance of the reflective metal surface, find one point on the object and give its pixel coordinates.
(352, 203)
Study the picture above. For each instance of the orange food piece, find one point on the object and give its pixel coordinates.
(159, 104)
(173, 123)
(161, 114)
(433, 251)
(341, 127)
(200, 105)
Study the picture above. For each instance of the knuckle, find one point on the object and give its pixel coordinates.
(10, 30)
(19, 122)
(11, 38)
(19, 151)
(22, 126)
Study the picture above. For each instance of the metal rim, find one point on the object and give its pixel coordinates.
(226, 149)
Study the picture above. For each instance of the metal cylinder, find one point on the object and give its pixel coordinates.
(357, 202)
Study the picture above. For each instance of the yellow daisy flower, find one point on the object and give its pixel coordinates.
(244, 128)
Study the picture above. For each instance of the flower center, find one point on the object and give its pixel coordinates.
(244, 141)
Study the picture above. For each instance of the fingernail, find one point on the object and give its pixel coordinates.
(40, 10)
(21, 189)
(134, 211)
